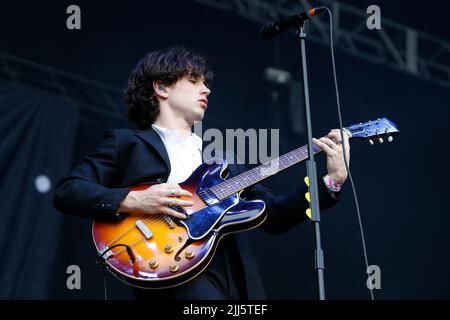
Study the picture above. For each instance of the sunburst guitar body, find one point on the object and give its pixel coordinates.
(166, 252)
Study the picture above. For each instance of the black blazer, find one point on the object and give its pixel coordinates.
(96, 187)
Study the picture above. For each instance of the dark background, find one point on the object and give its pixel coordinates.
(401, 186)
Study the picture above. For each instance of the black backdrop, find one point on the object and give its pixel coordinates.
(38, 133)
(402, 186)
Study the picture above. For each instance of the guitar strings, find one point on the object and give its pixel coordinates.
(132, 229)
(197, 205)
(160, 217)
(130, 245)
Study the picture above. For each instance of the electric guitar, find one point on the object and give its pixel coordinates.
(157, 251)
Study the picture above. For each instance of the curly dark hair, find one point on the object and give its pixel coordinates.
(165, 66)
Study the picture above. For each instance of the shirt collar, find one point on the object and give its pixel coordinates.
(171, 135)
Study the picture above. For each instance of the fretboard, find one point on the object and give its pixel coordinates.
(264, 171)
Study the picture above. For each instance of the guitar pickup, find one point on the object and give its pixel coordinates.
(144, 229)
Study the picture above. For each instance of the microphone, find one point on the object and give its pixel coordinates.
(271, 29)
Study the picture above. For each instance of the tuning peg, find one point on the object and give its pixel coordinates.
(380, 140)
(390, 138)
(371, 142)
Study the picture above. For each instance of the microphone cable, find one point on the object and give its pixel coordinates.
(344, 147)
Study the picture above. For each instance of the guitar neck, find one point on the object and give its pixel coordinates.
(264, 171)
(377, 129)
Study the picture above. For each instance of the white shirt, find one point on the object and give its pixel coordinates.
(185, 153)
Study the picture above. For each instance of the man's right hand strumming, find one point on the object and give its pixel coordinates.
(156, 200)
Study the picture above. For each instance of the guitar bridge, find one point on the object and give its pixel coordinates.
(169, 222)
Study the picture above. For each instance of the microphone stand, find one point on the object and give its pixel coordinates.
(312, 172)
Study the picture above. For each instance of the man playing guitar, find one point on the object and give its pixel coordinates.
(167, 92)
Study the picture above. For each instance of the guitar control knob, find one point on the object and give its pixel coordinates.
(168, 248)
(153, 264)
(371, 142)
(189, 253)
(390, 138)
(173, 267)
(380, 140)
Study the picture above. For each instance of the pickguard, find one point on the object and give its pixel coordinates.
(201, 222)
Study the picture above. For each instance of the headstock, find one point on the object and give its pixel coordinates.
(379, 130)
